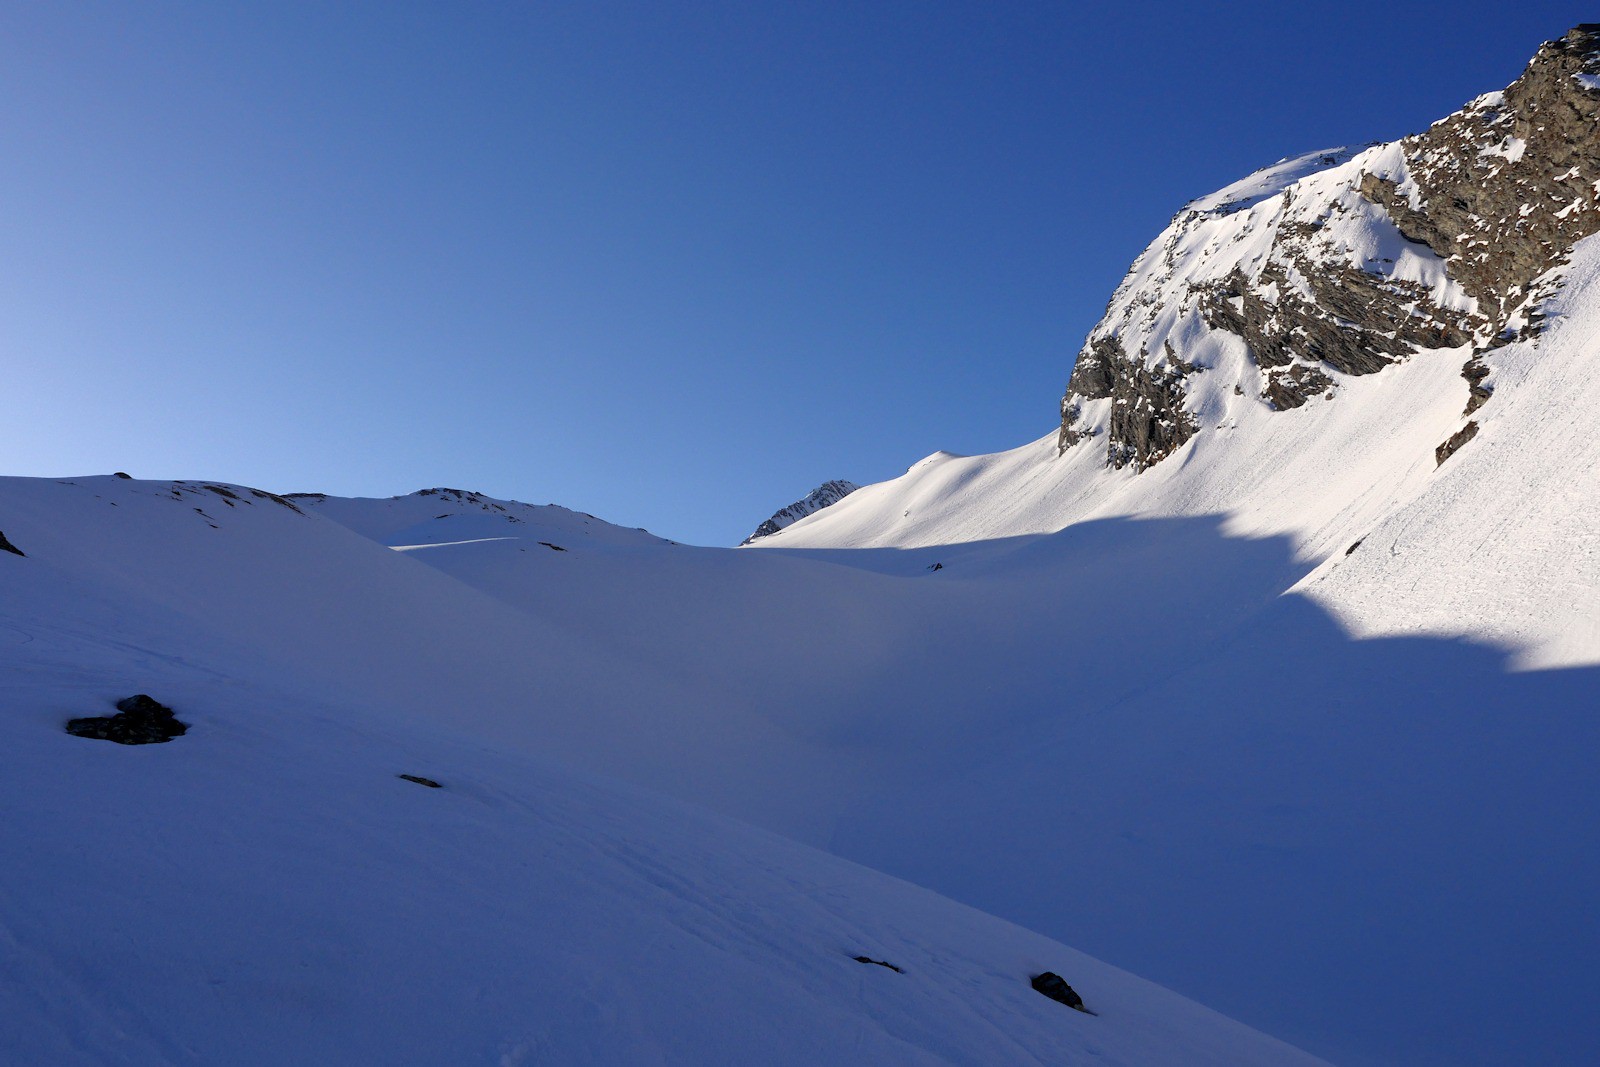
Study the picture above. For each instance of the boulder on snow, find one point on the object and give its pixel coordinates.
(1056, 988)
(141, 721)
(7, 546)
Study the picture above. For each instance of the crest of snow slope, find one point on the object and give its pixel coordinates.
(442, 516)
(265, 890)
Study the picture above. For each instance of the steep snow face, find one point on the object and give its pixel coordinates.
(266, 890)
(826, 494)
(1504, 542)
(1338, 264)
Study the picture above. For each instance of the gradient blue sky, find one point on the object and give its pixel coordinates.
(673, 264)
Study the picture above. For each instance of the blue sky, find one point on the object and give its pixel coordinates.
(673, 264)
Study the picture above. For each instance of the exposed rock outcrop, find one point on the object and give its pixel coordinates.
(1505, 186)
(1454, 443)
(1345, 262)
(1148, 421)
(1478, 392)
(7, 546)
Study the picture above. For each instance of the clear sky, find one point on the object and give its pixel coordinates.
(671, 263)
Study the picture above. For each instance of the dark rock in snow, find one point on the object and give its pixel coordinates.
(553, 548)
(1453, 445)
(1291, 388)
(936, 566)
(141, 721)
(1475, 371)
(429, 782)
(1353, 546)
(120, 474)
(880, 963)
(1056, 988)
(7, 546)
(1148, 419)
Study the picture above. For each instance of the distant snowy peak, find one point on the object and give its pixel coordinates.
(824, 495)
(1342, 262)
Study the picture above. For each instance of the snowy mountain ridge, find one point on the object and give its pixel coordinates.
(1338, 264)
(824, 495)
(1330, 350)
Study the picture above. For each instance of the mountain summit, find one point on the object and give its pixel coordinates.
(1340, 263)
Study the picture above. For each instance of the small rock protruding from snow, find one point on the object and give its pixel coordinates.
(1056, 988)
(420, 780)
(7, 546)
(879, 963)
(141, 720)
(825, 495)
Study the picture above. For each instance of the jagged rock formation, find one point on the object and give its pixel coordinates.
(1341, 263)
(1453, 445)
(824, 495)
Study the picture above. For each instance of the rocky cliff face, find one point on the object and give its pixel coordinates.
(825, 494)
(1343, 262)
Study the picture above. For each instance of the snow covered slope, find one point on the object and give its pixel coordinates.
(1121, 735)
(266, 890)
